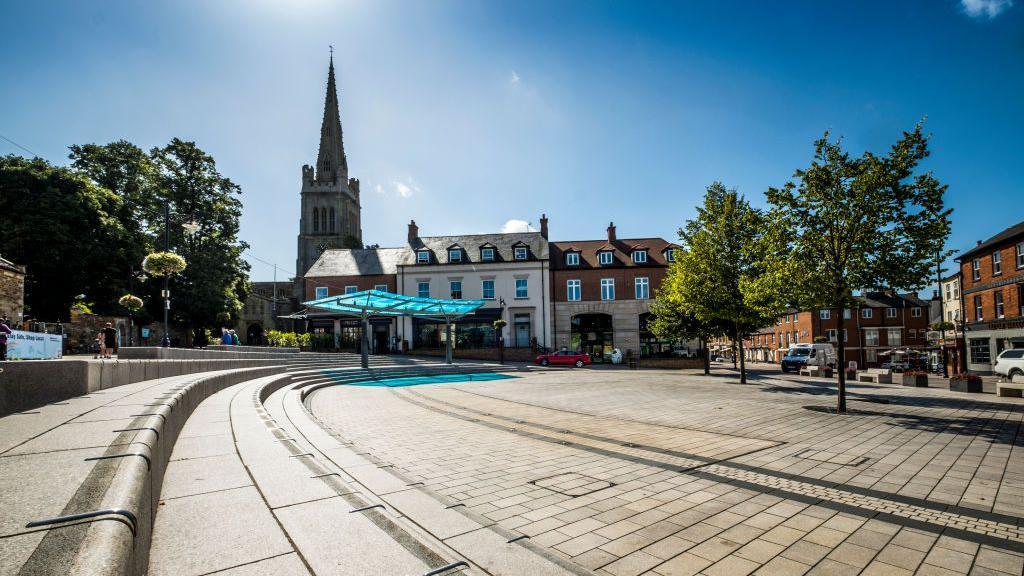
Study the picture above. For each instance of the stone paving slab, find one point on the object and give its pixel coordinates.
(930, 482)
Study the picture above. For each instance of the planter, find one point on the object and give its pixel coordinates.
(917, 380)
(972, 385)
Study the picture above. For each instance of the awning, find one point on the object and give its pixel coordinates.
(377, 303)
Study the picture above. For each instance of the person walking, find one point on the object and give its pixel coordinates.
(5, 331)
(109, 340)
(225, 337)
(234, 339)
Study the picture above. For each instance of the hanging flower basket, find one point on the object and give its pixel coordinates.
(163, 264)
(499, 324)
(132, 303)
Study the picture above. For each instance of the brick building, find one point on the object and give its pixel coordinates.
(992, 297)
(601, 293)
(879, 322)
(12, 290)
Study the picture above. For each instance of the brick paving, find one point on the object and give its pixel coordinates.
(666, 473)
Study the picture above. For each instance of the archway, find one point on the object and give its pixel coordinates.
(254, 335)
(592, 333)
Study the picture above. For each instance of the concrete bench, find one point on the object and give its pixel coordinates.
(820, 371)
(876, 375)
(1013, 389)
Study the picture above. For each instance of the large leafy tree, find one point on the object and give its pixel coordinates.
(204, 208)
(722, 254)
(670, 322)
(858, 223)
(68, 232)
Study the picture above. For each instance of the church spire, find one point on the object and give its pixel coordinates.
(331, 164)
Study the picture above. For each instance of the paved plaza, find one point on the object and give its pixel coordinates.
(663, 472)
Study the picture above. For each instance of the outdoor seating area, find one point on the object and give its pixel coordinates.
(876, 375)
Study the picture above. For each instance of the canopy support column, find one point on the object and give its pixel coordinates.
(365, 348)
(447, 340)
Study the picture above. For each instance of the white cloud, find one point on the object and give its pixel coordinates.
(513, 225)
(985, 8)
(514, 79)
(404, 188)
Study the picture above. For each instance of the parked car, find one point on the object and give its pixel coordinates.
(1010, 363)
(563, 358)
(800, 355)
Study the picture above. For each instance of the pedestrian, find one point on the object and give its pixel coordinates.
(225, 337)
(5, 331)
(234, 339)
(109, 340)
(98, 345)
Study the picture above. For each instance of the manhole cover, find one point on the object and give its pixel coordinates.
(572, 484)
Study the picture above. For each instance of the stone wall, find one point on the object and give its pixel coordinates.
(12, 290)
(82, 329)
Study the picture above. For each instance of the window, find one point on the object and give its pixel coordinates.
(915, 312)
(520, 253)
(866, 313)
(605, 258)
(833, 334)
(487, 254)
(351, 289)
(572, 258)
(572, 290)
(846, 313)
(978, 309)
(1020, 255)
(846, 337)
(487, 288)
(871, 337)
(825, 314)
(380, 287)
(998, 297)
(949, 292)
(997, 263)
(423, 257)
(522, 288)
(639, 256)
(890, 312)
(796, 337)
(895, 337)
(871, 355)
(981, 351)
(455, 288)
(423, 289)
(1020, 299)
(316, 219)
(643, 288)
(670, 255)
(332, 220)
(976, 269)
(455, 255)
(321, 292)
(607, 289)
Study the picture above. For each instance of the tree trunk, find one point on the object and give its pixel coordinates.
(704, 355)
(743, 364)
(841, 363)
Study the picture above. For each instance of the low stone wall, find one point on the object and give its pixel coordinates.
(680, 363)
(225, 348)
(225, 352)
(29, 384)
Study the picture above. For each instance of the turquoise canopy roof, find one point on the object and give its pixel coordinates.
(378, 303)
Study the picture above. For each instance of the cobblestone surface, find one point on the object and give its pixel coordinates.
(664, 473)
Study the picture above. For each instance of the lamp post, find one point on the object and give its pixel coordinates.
(501, 333)
(166, 292)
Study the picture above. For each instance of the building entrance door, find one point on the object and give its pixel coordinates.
(592, 334)
(380, 339)
(522, 330)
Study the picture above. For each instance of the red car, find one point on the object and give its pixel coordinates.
(564, 358)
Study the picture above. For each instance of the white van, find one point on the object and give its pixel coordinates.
(800, 355)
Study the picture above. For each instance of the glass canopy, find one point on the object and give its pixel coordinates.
(378, 303)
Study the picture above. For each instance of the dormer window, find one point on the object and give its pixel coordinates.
(455, 254)
(605, 258)
(639, 256)
(572, 258)
(487, 254)
(670, 255)
(423, 257)
(520, 253)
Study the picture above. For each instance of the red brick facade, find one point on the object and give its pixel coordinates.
(336, 284)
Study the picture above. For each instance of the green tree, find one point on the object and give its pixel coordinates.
(670, 322)
(66, 230)
(856, 224)
(204, 222)
(722, 256)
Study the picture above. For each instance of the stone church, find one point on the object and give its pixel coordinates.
(330, 216)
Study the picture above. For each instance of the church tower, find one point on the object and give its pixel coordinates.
(330, 215)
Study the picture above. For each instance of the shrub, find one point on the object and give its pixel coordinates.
(163, 264)
(915, 373)
(966, 376)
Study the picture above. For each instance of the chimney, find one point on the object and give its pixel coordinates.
(611, 231)
(544, 226)
(979, 243)
(414, 231)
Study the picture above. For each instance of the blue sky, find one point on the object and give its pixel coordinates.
(467, 114)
